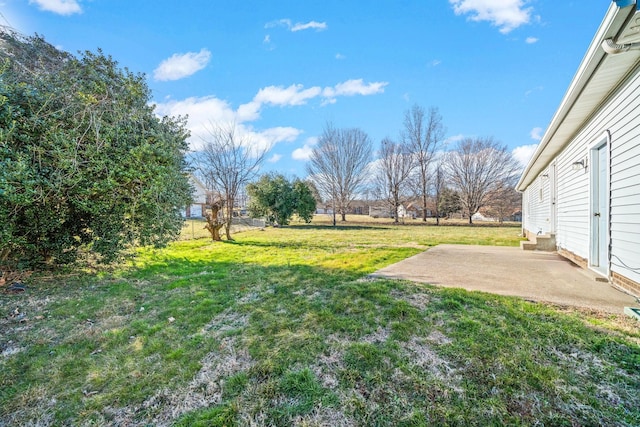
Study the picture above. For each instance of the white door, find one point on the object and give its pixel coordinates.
(599, 210)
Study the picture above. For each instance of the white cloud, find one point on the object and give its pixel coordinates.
(292, 95)
(278, 23)
(304, 153)
(507, 15)
(249, 112)
(453, 139)
(435, 63)
(204, 112)
(275, 158)
(523, 153)
(201, 111)
(351, 88)
(296, 94)
(532, 90)
(181, 65)
(61, 7)
(269, 45)
(281, 134)
(340, 56)
(536, 133)
(357, 87)
(318, 26)
(267, 138)
(298, 26)
(531, 40)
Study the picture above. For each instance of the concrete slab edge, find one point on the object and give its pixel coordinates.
(633, 312)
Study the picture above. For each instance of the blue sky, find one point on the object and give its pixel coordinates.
(280, 70)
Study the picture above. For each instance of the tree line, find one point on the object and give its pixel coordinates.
(472, 174)
(469, 175)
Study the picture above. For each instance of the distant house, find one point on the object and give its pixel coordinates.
(384, 210)
(356, 207)
(581, 189)
(415, 208)
(478, 216)
(200, 193)
(359, 207)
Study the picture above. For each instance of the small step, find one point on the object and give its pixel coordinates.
(526, 245)
(546, 242)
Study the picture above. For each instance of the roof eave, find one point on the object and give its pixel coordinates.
(612, 24)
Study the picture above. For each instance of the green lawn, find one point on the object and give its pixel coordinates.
(282, 327)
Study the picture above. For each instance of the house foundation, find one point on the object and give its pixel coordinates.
(625, 283)
(616, 279)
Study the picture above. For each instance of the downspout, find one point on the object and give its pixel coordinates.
(609, 222)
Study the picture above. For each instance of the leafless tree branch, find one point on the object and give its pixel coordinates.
(423, 133)
(478, 168)
(227, 163)
(339, 163)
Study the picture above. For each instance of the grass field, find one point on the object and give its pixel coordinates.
(282, 327)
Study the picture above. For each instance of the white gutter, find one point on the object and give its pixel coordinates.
(612, 24)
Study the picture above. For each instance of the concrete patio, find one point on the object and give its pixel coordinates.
(533, 275)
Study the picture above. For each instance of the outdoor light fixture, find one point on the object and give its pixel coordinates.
(576, 166)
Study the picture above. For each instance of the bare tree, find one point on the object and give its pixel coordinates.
(478, 168)
(423, 133)
(504, 202)
(227, 163)
(439, 182)
(395, 167)
(338, 165)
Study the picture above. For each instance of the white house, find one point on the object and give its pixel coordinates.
(383, 210)
(581, 189)
(196, 209)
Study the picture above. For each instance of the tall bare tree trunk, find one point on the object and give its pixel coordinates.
(424, 206)
(213, 225)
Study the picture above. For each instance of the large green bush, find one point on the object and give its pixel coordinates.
(278, 199)
(84, 161)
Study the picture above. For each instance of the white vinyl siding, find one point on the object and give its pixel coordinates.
(572, 231)
(537, 205)
(621, 117)
(625, 185)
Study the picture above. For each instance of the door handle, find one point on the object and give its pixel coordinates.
(596, 214)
